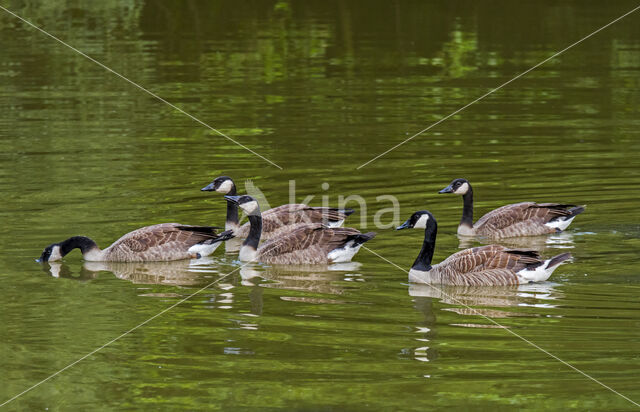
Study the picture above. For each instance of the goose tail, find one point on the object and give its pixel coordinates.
(363, 237)
(226, 235)
(575, 211)
(556, 261)
(560, 223)
(346, 212)
(541, 271)
(353, 244)
(336, 217)
(207, 247)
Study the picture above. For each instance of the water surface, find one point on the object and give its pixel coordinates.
(318, 88)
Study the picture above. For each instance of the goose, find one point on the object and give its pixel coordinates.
(278, 220)
(311, 243)
(518, 219)
(491, 265)
(162, 242)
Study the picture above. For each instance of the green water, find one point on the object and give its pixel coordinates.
(319, 88)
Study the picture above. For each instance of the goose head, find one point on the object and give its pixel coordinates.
(221, 184)
(418, 220)
(247, 203)
(457, 187)
(50, 254)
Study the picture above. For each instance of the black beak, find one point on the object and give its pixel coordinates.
(447, 189)
(208, 188)
(232, 199)
(405, 225)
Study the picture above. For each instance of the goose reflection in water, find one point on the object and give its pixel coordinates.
(176, 273)
(540, 295)
(562, 240)
(470, 297)
(312, 278)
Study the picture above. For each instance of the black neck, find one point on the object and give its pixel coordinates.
(232, 208)
(467, 209)
(77, 242)
(423, 261)
(255, 230)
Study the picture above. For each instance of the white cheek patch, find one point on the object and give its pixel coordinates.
(55, 254)
(463, 189)
(422, 222)
(225, 187)
(250, 207)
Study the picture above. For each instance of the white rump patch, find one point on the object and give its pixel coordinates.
(250, 208)
(560, 224)
(335, 223)
(539, 274)
(345, 253)
(225, 187)
(422, 222)
(55, 254)
(463, 189)
(204, 250)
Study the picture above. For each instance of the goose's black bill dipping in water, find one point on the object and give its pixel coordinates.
(162, 242)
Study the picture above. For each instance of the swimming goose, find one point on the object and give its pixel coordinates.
(518, 219)
(311, 243)
(490, 265)
(165, 241)
(278, 220)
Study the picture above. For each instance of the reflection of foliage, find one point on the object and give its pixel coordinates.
(458, 54)
(317, 83)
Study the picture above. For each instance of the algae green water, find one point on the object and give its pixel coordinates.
(319, 88)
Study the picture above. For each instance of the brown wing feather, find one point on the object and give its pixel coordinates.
(309, 244)
(165, 241)
(520, 219)
(287, 217)
(485, 265)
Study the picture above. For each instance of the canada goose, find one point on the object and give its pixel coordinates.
(490, 265)
(311, 243)
(518, 219)
(165, 241)
(177, 272)
(278, 220)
